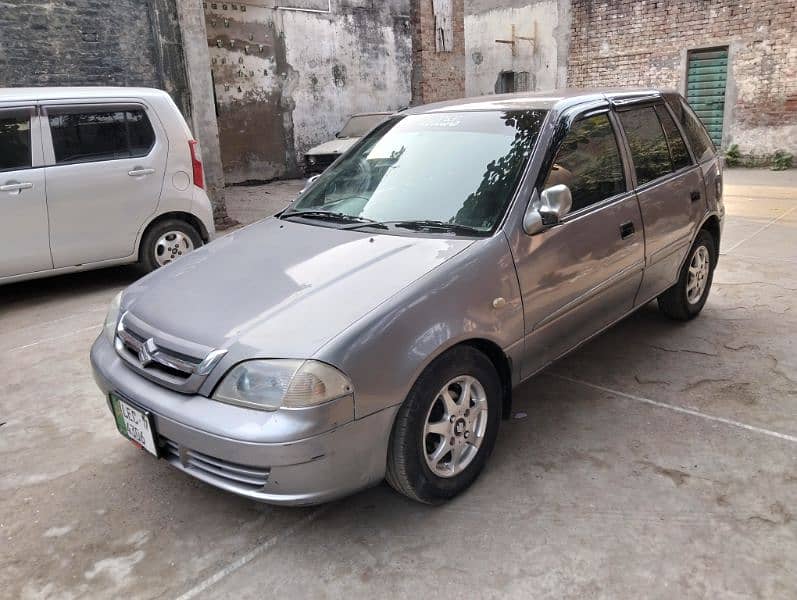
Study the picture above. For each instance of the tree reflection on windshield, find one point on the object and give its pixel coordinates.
(499, 180)
(459, 167)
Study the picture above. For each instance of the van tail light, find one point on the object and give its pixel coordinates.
(196, 164)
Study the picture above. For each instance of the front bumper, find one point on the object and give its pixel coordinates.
(278, 457)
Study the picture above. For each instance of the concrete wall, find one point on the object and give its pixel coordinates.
(545, 61)
(93, 42)
(623, 42)
(286, 80)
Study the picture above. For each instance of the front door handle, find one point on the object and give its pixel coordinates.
(140, 172)
(627, 230)
(15, 187)
(694, 196)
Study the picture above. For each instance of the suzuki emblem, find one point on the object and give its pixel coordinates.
(146, 351)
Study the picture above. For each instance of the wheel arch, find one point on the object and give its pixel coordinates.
(502, 364)
(180, 216)
(712, 225)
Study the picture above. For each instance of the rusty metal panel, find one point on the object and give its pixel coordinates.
(249, 71)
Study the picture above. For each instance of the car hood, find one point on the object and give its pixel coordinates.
(336, 146)
(281, 288)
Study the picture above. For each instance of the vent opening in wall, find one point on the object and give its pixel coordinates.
(706, 78)
(512, 81)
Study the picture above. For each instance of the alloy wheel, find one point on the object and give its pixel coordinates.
(699, 268)
(455, 426)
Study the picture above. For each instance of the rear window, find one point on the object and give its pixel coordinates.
(678, 152)
(696, 135)
(14, 140)
(81, 135)
(359, 125)
(649, 148)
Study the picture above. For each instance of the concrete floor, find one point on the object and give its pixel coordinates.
(658, 461)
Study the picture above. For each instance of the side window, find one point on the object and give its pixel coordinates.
(588, 162)
(649, 148)
(678, 152)
(88, 136)
(15, 140)
(696, 135)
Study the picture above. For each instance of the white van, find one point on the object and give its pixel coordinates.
(95, 177)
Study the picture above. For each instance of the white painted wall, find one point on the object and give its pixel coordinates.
(545, 62)
(371, 61)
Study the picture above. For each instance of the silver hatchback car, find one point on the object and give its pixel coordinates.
(96, 176)
(376, 328)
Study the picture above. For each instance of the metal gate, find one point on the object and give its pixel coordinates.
(706, 75)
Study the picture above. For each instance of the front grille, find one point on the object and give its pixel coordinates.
(240, 476)
(176, 364)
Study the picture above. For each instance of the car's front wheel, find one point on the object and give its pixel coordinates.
(447, 427)
(167, 241)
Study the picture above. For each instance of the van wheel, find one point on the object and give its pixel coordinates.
(166, 241)
(686, 299)
(446, 428)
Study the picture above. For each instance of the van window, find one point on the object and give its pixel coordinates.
(15, 140)
(588, 162)
(696, 135)
(678, 152)
(649, 148)
(87, 136)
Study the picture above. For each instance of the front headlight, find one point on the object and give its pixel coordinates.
(273, 384)
(112, 318)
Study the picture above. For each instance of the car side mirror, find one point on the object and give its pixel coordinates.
(309, 182)
(549, 209)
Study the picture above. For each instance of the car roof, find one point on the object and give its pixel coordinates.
(35, 94)
(371, 114)
(548, 100)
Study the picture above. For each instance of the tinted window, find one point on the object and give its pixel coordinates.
(678, 152)
(14, 140)
(702, 146)
(142, 138)
(588, 162)
(649, 148)
(99, 135)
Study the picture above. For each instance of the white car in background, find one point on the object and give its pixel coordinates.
(95, 177)
(320, 157)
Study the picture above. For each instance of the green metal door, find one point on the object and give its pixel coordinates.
(706, 75)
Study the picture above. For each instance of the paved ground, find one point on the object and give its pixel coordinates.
(658, 461)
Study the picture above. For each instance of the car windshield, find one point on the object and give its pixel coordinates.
(457, 168)
(359, 125)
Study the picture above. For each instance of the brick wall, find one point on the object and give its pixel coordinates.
(437, 75)
(92, 42)
(644, 43)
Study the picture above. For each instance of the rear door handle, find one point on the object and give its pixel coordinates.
(695, 196)
(140, 172)
(15, 187)
(627, 230)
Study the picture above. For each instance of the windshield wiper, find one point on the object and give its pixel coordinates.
(327, 216)
(421, 224)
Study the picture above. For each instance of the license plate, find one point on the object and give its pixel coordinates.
(134, 424)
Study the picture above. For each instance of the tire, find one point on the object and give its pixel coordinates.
(681, 301)
(165, 241)
(408, 469)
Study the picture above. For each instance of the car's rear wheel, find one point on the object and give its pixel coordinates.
(447, 427)
(686, 299)
(167, 241)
